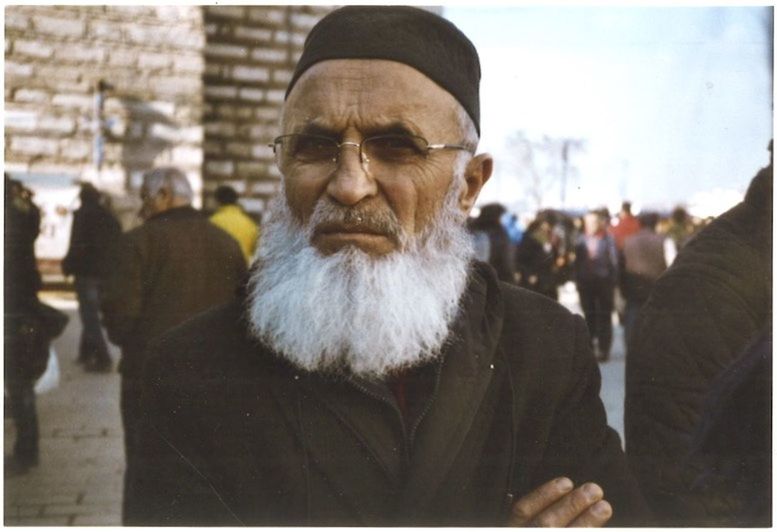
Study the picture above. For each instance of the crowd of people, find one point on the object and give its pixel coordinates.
(358, 365)
(612, 260)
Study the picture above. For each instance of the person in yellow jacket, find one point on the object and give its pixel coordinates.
(232, 218)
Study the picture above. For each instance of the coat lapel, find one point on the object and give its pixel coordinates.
(465, 375)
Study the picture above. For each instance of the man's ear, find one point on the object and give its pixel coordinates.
(478, 171)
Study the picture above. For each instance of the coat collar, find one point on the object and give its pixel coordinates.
(187, 211)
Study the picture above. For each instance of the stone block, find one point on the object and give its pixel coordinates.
(34, 146)
(262, 151)
(253, 74)
(79, 101)
(269, 55)
(74, 509)
(282, 76)
(14, 69)
(256, 35)
(230, 12)
(122, 57)
(32, 48)
(253, 169)
(214, 70)
(15, 19)
(176, 85)
(212, 149)
(258, 132)
(304, 21)
(153, 60)
(265, 187)
(268, 114)
(38, 521)
(238, 149)
(188, 63)
(226, 51)
(30, 95)
(253, 95)
(268, 15)
(59, 26)
(186, 155)
(20, 119)
(111, 519)
(221, 91)
(163, 132)
(253, 205)
(57, 124)
(79, 53)
(104, 30)
(75, 149)
(219, 129)
(191, 134)
(221, 168)
(276, 96)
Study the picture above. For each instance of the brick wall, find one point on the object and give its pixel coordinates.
(250, 54)
(152, 58)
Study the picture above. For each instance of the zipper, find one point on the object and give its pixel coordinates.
(395, 409)
(428, 405)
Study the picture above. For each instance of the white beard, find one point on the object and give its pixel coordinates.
(350, 312)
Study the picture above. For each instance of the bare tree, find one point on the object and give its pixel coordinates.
(542, 165)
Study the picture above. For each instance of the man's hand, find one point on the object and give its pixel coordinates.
(557, 504)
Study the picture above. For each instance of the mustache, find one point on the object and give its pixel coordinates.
(382, 221)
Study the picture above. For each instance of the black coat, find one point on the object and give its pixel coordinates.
(234, 435)
(702, 313)
(94, 234)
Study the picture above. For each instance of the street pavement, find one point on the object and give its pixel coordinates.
(79, 478)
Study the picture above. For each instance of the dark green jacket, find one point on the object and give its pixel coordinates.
(234, 435)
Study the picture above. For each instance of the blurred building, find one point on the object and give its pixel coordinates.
(104, 93)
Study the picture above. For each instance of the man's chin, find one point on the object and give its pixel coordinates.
(373, 244)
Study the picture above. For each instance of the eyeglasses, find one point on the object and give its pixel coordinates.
(387, 150)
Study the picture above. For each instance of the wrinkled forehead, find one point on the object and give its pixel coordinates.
(369, 93)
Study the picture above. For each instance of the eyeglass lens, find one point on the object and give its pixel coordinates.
(313, 149)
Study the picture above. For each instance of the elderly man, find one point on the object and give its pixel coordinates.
(373, 374)
(175, 265)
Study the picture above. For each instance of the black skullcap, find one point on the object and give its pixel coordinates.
(409, 35)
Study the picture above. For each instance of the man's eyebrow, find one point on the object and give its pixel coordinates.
(311, 128)
(393, 128)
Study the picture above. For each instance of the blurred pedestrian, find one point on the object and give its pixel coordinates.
(535, 260)
(29, 326)
(644, 260)
(627, 225)
(94, 232)
(713, 301)
(681, 227)
(501, 250)
(231, 217)
(175, 265)
(596, 275)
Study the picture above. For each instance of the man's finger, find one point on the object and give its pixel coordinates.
(531, 505)
(595, 516)
(570, 507)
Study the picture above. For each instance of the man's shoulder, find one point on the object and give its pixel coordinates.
(216, 338)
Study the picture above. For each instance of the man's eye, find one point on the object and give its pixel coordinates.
(308, 148)
(394, 148)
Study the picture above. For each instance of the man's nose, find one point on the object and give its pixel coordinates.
(351, 182)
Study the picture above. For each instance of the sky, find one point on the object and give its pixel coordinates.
(674, 105)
